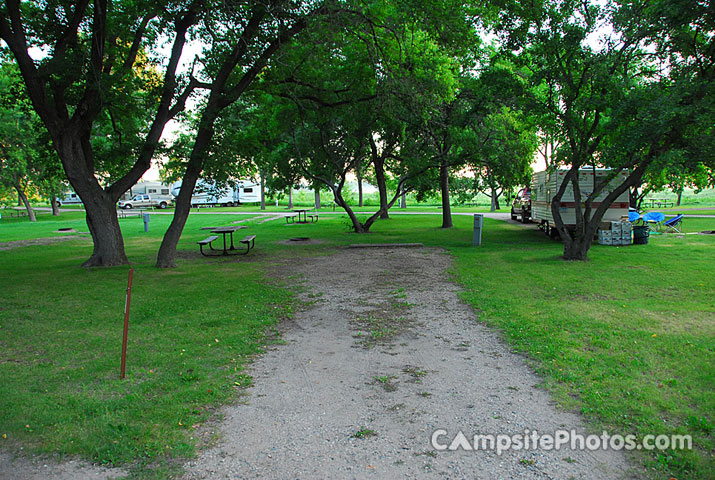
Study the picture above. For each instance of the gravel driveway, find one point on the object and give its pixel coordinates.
(384, 355)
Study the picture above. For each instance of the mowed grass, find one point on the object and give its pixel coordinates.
(192, 332)
(627, 338)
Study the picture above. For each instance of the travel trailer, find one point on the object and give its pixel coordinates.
(207, 193)
(158, 189)
(544, 186)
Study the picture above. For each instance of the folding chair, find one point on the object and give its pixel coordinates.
(654, 220)
(633, 216)
(674, 225)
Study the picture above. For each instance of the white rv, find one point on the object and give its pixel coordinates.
(70, 198)
(545, 185)
(208, 193)
(248, 191)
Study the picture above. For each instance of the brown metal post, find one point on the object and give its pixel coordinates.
(126, 322)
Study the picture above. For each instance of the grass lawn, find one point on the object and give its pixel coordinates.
(627, 338)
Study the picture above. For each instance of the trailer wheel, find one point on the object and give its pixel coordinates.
(524, 217)
(128, 206)
(162, 205)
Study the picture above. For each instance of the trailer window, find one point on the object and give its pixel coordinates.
(248, 190)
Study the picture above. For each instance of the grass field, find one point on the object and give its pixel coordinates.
(627, 338)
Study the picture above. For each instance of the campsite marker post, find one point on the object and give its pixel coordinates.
(126, 323)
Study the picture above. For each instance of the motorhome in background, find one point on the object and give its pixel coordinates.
(70, 198)
(208, 193)
(544, 186)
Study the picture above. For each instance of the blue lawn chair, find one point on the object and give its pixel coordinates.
(674, 225)
(654, 220)
(633, 216)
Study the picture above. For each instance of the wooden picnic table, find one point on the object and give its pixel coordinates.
(227, 231)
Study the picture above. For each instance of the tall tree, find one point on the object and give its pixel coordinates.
(91, 67)
(19, 136)
(624, 100)
(242, 42)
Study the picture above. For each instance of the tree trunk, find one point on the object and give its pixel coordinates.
(379, 164)
(577, 249)
(495, 199)
(290, 198)
(106, 234)
(317, 198)
(263, 191)
(167, 251)
(403, 201)
(359, 181)
(680, 196)
(444, 189)
(26, 203)
(55, 208)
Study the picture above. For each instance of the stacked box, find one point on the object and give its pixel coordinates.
(615, 233)
(605, 237)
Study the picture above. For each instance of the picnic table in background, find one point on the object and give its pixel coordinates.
(660, 203)
(302, 216)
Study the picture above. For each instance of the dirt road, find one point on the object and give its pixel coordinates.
(385, 355)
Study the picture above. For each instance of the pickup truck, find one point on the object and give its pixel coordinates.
(522, 206)
(145, 200)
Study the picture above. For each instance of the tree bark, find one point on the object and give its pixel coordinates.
(290, 198)
(379, 164)
(99, 204)
(167, 250)
(26, 203)
(680, 196)
(359, 182)
(55, 208)
(403, 200)
(495, 199)
(317, 198)
(444, 189)
(263, 191)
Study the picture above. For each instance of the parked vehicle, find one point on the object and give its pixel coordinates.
(522, 206)
(544, 186)
(207, 193)
(152, 188)
(70, 198)
(144, 201)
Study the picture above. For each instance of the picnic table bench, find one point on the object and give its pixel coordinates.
(206, 241)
